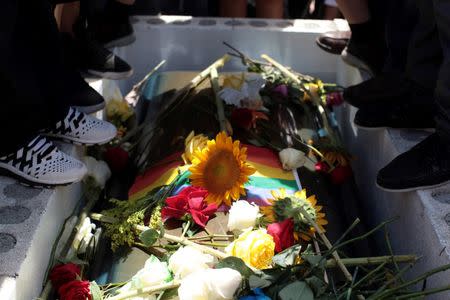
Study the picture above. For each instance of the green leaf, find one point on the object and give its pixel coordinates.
(149, 237)
(95, 291)
(317, 285)
(315, 260)
(237, 264)
(297, 290)
(287, 257)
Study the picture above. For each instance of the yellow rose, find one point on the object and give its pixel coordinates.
(255, 247)
(192, 143)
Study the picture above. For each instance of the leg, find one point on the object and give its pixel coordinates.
(424, 51)
(269, 9)
(233, 9)
(366, 48)
(427, 164)
(68, 14)
(442, 15)
(354, 11)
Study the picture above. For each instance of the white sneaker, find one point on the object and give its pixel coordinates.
(40, 163)
(80, 128)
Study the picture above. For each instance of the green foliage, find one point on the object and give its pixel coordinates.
(235, 264)
(149, 237)
(287, 257)
(297, 290)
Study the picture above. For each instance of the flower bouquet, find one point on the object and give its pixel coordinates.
(221, 212)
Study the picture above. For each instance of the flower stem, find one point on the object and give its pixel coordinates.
(219, 104)
(148, 290)
(169, 237)
(351, 262)
(327, 243)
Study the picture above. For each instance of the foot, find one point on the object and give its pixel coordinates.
(41, 164)
(426, 165)
(100, 62)
(91, 58)
(368, 56)
(81, 96)
(333, 41)
(80, 128)
(386, 88)
(400, 116)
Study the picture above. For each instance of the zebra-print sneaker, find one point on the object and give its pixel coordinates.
(83, 129)
(41, 164)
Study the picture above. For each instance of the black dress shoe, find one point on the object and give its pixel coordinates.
(399, 115)
(333, 41)
(384, 88)
(426, 165)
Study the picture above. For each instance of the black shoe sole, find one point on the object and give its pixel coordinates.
(412, 189)
(326, 48)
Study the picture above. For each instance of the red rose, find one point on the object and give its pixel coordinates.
(62, 274)
(242, 118)
(191, 200)
(75, 290)
(340, 174)
(199, 210)
(116, 158)
(176, 207)
(246, 118)
(283, 234)
(321, 167)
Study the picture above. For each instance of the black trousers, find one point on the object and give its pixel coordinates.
(31, 71)
(428, 59)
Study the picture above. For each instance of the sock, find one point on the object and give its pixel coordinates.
(117, 9)
(363, 31)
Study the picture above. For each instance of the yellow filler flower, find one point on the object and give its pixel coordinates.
(284, 206)
(221, 168)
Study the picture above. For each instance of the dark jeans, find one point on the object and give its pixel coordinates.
(442, 17)
(428, 61)
(402, 16)
(31, 71)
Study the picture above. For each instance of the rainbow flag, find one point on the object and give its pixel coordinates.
(269, 176)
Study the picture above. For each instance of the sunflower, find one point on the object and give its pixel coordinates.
(285, 206)
(221, 168)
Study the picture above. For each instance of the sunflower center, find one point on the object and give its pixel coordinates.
(221, 172)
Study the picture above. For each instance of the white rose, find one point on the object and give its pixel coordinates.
(153, 273)
(83, 234)
(210, 284)
(98, 169)
(187, 260)
(292, 159)
(242, 215)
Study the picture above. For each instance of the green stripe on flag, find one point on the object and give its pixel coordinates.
(272, 183)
